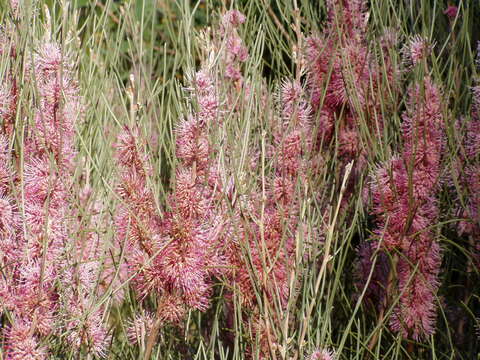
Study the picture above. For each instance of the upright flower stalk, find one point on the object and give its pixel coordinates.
(49, 271)
(175, 252)
(347, 86)
(264, 222)
(404, 202)
(207, 228)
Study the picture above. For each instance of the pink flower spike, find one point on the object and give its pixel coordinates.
(21, 344)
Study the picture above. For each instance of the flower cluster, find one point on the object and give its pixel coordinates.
(207, 228)
(263, 218)
(236, 52)
(49, 270)
(340, 64)
(173, 253)
(248, 206)
(347, 85)
(416, 50)
(404, 203)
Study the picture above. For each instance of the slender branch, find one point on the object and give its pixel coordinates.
(277, 22)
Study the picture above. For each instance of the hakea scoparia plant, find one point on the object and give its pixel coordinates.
(414, 53)
(50, 263)
(174, 253)
(263, 222)
(261, 248)
(171, 253)
(347, 84)
(207, 229)
(404, 191)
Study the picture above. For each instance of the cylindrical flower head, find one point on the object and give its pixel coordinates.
(403, 193)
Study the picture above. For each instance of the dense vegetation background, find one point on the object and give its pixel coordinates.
(122, 78)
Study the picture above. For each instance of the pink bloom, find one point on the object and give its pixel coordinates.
(139, 328)
(451, 11)
(294, 107)
(234, 52)
(21, 344)
(404, 216)
(321, 355)
(236, 48)
(14, 5)
(233, 73)
(389, 39)
(38, 287)
(188, 199)
(9, 220)
(130, 153)
(349, 15)
(348, 144)
(174, 253)
(415, 317)
(233, 18)
(416, 50)
(346, 85)
(86, 328)
(191, 144)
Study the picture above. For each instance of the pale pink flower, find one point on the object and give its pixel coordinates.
(416, 50)
(9, 225)
(233, 18)
(14, 5)
(234, 52)
(86, 328)
(415, 317)
(322, 354)
(22, 344)
(191, 144)
(139, 327)
(347, 18)
(389, 39)
(173, 253)
(43, 242)
(236, 48)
